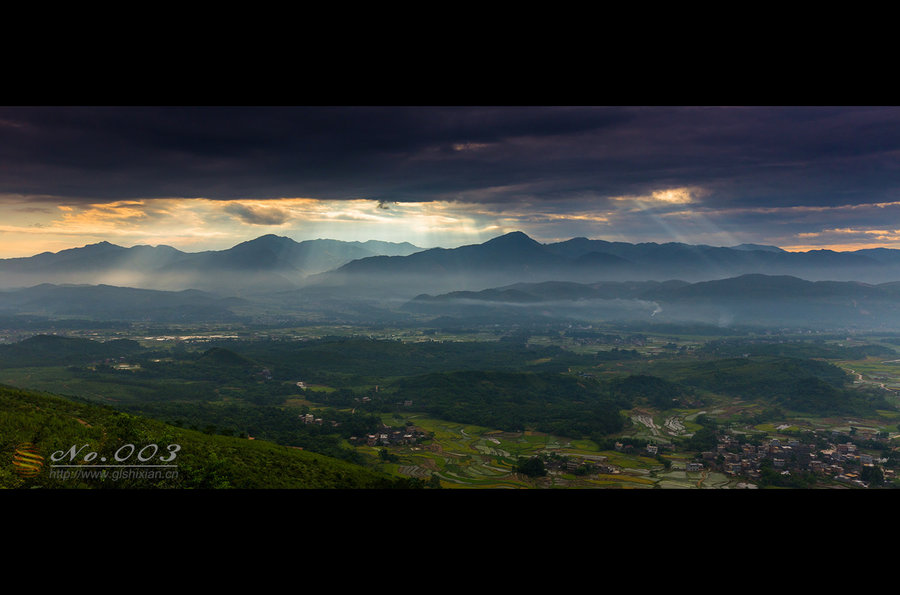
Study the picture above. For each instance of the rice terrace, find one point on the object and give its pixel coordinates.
(464, 456)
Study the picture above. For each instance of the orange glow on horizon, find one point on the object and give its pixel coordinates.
(198, 224)
(840, 247)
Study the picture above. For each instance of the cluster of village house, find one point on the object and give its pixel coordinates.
(309, 418)
(593, 463)
(389, 436)
(745, 460)
(385, 436)
(839, 460)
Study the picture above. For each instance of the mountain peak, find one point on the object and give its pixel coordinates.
(513, 238)
(757, 247)
(103, 244)
(270, 237)
(268, 240)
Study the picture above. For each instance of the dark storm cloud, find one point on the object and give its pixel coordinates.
(258, 215)
(239, 153)
(752, 157)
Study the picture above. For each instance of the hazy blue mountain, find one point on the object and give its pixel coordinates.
(385, 248)
(277, 253)
(743, 287)
(104, 302)
(610, 262)
(374, 269)
(515, 257)
(92, 257)
(696, 262)
(556, 291)
(780, 287)
(753, 247)
(751, 299)
(511, 250)
(883, 255)
(266, 263)
(510, 257)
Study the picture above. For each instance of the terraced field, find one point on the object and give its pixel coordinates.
(466, 456)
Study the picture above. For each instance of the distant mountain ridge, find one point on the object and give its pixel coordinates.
(762, 247)
(515, 257)
(269, 261)
(106, 302)
(750, 299)
(743, 287)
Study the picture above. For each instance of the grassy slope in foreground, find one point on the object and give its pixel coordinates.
(54, 424)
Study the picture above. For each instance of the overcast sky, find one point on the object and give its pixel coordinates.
(209, 177)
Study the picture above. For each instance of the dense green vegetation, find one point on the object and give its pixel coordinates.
(704, 439)
(54, 425)
(215, 396)
(654, 391)
(276, 424)
(532, 466)
(240, 387)
(340, 361)
(803, 385)
(514, 401)
(797, 349)
(53, 350)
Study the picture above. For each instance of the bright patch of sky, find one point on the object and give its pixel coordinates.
(664, 215)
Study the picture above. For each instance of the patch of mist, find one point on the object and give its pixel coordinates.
(726, 319)
(586, 304)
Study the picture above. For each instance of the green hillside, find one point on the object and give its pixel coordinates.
(513, 401)
(196, 460)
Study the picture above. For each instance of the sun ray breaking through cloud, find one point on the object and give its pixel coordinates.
(678, 214)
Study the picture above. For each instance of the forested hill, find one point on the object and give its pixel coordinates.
(54, 350)
(38, 424)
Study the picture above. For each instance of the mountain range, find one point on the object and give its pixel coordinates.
(751, 299)
(273, 263)
(270, 262)
(515, 257)
(581, 278)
